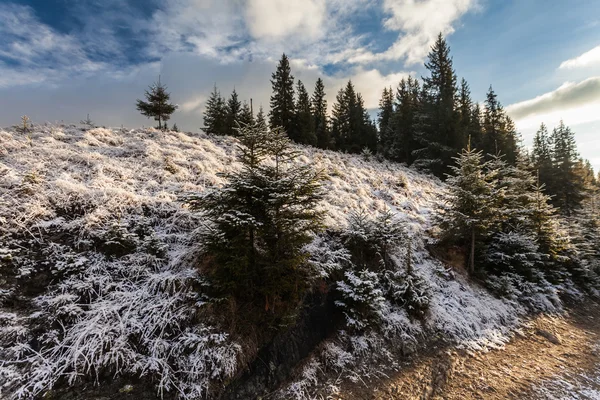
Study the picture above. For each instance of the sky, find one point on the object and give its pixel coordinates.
(63, 59)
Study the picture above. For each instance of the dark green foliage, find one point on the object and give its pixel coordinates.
(282, 99)
(438, 136)
(405, 121)
(175, 128)
(215, 115)
(304, 131)
(246, 117)
(384, 120)
(260, 221)
(500, 135)
(570, 190)
(232, 112)
(351, 127)
(319, 113)
(157, 105)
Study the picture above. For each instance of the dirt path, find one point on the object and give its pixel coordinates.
(551, 358)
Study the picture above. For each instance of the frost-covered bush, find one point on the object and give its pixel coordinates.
(361, 298)
(538, 296)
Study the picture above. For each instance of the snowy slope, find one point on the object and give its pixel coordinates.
(95, 217)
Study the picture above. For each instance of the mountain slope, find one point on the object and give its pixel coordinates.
(99, 272)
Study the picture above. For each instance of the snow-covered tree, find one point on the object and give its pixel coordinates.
(260, 222)
(215, 115)
(472, 203)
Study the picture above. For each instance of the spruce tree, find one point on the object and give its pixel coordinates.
(438, 136)
(215, 114)
(500, 134)
(246, 117)
(260, 117)
(157, 105)
(233, 110)
(405, 120)
(282, 99)
(319, 113)
(304, 123)
(351, 126)
(384, 120)
(472, 201)
(570, 189)
(260, 222)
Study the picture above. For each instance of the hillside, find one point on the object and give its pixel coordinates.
(99, 276)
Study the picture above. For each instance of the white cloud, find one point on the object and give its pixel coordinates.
(418, 22)
(581, 101)
(276, 19)
(588, 59)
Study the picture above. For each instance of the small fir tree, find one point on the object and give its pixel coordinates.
(215, 115)
(157, 105)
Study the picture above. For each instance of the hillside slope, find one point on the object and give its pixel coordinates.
(98, 266)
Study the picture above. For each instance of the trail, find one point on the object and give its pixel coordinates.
(549, 358)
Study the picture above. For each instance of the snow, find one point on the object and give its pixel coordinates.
(103, 209)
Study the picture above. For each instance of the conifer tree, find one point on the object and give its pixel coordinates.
(319, 113)
(472, 201)
(465, 113)
(260, 222)
(351, 127)
(246, 117)
(438, 136)
(304, 129)
(282, 99)
(476, 129)
(157, 105)
(215, 114)
(570, 189)
(233, 110)
(499, 131)
(384, 120)
(405, 120)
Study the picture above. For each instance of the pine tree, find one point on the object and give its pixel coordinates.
(438, 135)
(465, 113)
(175, 128)
(282, 99)
(351, 126)
(260, 222)
(500, 134)
(157, 105)
(472, 201)
(319, 113)
(304, 129)
(246, 117)
(476, 129)
(215, 115)
(233, 110)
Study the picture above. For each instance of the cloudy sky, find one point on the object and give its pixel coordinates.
(63, 59)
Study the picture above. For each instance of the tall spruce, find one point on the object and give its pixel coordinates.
(319, 114)
(438, 136)
(405, 120)
(246, 117)
(571, 189)
(351, 127)
(215, 114)
(499, 131)
(304, 123)
(282, 99)
(384, 121)
(157, 105)
(233, 110)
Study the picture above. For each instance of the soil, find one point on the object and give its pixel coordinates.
(547, 349)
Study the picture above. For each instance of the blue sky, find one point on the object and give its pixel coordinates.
(63, 59)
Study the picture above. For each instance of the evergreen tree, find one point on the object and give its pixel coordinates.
(570, 189)
(500, 135)
(319, 113)
(282, 99)
(438, 136)
(246, 117)
(260, 222)
(351, 126)
(233, 110)
(175, 128)
(157, 105)
(542, 158)
(384, 120)
(304, 132)
(260, 117)
(215, 115)
(405, 120)
(476, 127)
(472, 202)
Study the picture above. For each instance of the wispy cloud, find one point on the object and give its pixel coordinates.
(576, 103)
(588, 59)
